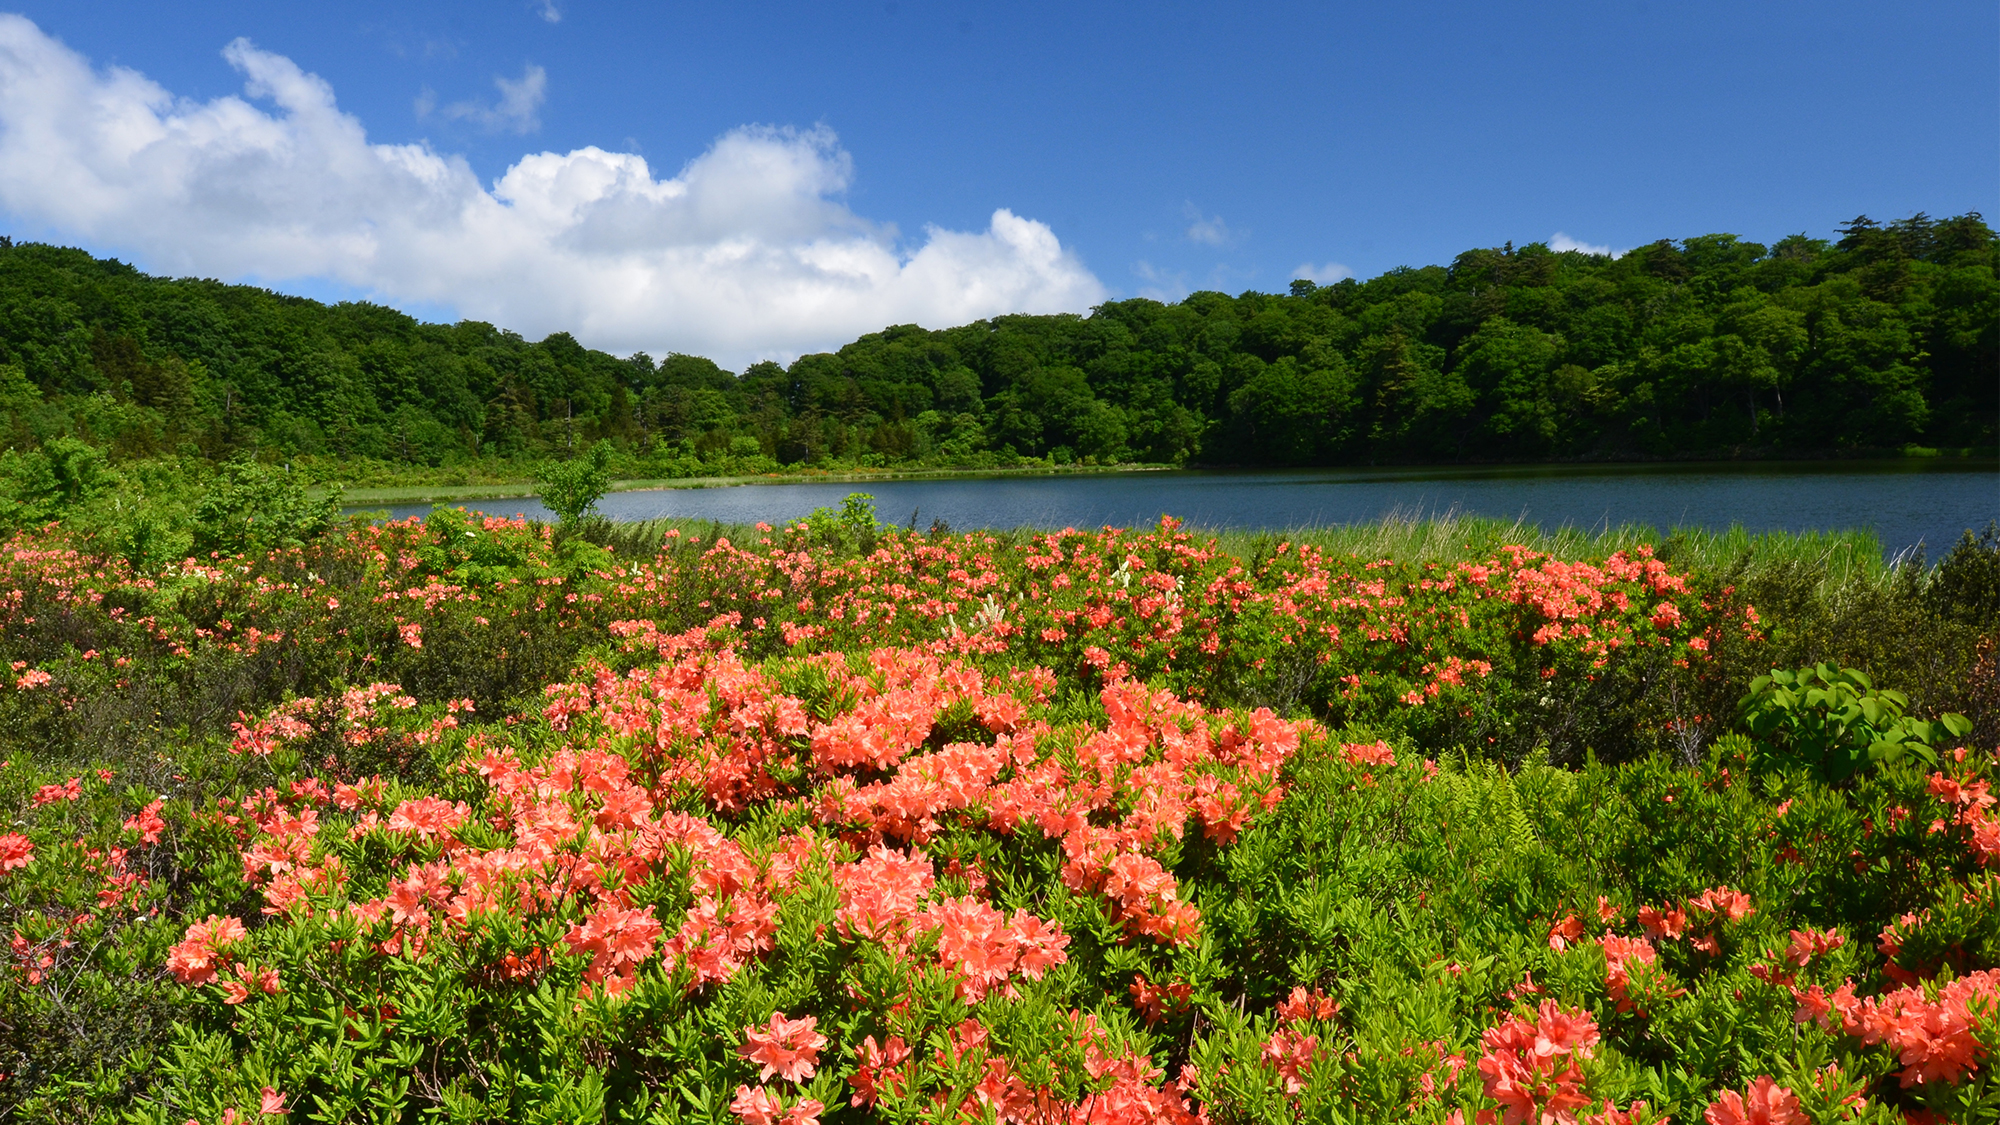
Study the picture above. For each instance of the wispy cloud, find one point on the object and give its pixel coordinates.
(519, 109)
(1323, 274)
(1161, 284)
(1560, 243)
(1209, 230)
(746, 253)
(550, 11)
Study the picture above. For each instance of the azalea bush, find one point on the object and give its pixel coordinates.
(460, 820)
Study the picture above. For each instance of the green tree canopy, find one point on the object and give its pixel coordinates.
(1887, 335)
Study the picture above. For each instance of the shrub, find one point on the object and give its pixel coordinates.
(1966, 586)
(852, 525)
(460, 818)
(49, 482)
(1833, 721)
(248, 506)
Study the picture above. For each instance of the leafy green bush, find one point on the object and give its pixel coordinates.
(1834, 721)
(1966, 585)
(152, 513)
(1887, 624)
(49, 482)
(852, 525)
(249, 506)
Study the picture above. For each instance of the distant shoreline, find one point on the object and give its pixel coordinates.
(524, 489)
(1981, 461)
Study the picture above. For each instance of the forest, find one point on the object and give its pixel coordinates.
(1883, 341)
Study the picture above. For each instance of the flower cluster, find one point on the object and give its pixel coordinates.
(970, 828)
(1763, 1103)
(1973, 801)
(578, 831)
(1530, 1066)
(1935, 1033)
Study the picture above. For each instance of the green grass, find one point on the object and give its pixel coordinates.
(1842, 557)
(525, 486)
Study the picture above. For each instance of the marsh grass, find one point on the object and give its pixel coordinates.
(1841, 559)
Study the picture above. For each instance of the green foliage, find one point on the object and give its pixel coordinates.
(56, 479)
(248, 506)
(1884, 341)
(1966, 585)
(150, 513)
(1419, 894)
(853, 524)
(572, 488)
(1834, 721)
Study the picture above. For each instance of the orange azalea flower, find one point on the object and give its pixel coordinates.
(1763, 1103)
(785, 1048)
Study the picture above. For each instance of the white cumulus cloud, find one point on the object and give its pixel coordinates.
(745, 253)
(1323, 274)
(1560, 242)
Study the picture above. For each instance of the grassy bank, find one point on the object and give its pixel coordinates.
(504, 481)
(525, 487)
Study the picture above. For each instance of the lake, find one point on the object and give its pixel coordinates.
(1905, 503)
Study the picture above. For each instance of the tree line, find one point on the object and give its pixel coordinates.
(1885, 338)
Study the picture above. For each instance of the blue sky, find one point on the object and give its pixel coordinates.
(1135, 149)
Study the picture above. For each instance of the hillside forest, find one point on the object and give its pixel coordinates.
(1886, 339)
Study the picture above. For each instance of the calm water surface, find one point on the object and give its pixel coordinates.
(1904, 504)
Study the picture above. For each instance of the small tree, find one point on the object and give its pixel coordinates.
(572, 488)
(249, 506)
(53, 481)
(852, 524)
